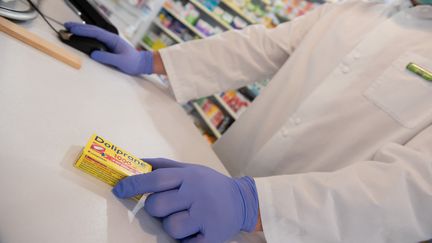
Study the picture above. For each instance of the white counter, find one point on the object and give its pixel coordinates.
(48, 111)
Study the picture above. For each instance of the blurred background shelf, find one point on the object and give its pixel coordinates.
(211, 14)
(213, 129)
(230, 4)
(183, 21)
(226, 107)
(147, 47)
(167, 31)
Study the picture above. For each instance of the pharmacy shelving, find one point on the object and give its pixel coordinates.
(211, 14)
(213, 129)
(167, 31)
(226, 107)
(183, 21)
(147, 47)
(132, 18)
(238, 11)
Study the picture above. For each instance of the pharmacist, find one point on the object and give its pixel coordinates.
(337, 148)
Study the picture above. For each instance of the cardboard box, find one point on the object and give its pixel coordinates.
(108, 162)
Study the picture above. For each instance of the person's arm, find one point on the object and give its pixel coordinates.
(203, 67)
(234, 58)
(387, 199)
(258, 226)
(158, 66)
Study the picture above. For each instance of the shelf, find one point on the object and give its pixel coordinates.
(167, 31)
(211, 14)
(226, 107)
(238, 11)
(131, 9)
(131, 21)
(183, 21)
(147, 47)
(213, 129)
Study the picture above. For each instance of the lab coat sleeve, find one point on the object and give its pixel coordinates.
(233, 59)
(387, 199)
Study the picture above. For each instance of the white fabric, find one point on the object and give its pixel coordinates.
(340, 142)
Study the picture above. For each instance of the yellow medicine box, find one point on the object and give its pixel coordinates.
(109, 163)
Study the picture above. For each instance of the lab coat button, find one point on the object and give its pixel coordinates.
(345, 69)
(356, 55)
(295, 120)
(284, 132)
(292, 121)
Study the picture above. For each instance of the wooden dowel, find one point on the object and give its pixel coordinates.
(37, 42)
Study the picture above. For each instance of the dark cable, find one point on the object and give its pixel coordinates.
(54, 20)
(42, 15)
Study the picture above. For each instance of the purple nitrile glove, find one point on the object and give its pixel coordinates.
(196, 203)
(122, 55)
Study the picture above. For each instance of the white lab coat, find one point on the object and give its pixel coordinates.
(340, 142)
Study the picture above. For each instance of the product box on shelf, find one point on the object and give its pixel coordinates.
(236, 101)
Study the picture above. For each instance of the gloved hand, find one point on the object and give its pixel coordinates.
(122, 55)
(196, 203)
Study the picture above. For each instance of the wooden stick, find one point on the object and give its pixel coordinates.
(37, 42)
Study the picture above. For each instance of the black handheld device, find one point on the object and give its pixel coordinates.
(91, 15)
(83, 44)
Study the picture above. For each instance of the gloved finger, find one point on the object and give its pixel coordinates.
(69, 25)
(156, 181)
(82, 29)
(199, 238)
(106, 58)
(159, 163)
(180, 225)
(108, 38)
(162, 204)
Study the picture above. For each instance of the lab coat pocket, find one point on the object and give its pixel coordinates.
(402, 94)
